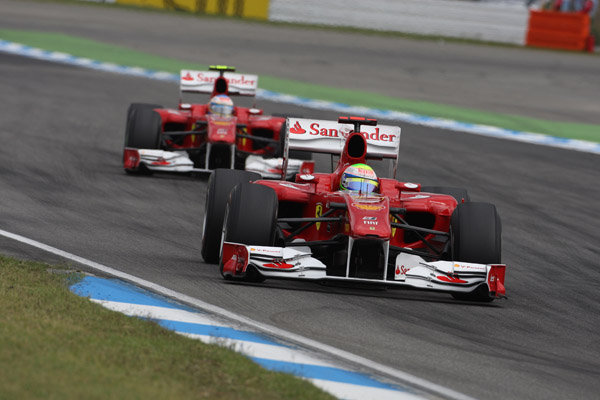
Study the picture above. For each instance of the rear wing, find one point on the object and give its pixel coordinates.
(321, 136)
(204, 81)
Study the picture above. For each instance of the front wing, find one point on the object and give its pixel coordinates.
(157, 160)
(179, 161)
(411, 271)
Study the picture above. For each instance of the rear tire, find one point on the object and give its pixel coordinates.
(477, 237)
(220, 184)
(251, 219)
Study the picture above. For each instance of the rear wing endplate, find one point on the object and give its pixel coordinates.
(203, 82)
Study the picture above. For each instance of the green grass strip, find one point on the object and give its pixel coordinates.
(57, 345)
(372, 100)
(80, 47)
(124, 56)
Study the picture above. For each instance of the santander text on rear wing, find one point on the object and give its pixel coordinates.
(203, 82)
(320, 136)
(329, 137)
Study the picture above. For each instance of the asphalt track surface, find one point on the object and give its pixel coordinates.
(557, 86)
(62, 184)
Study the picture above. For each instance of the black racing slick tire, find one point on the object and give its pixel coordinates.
(459, 194)
(477, 237)
(133, 107)
(251, 218)
(220, 184)
(252, 215)
(144, 126)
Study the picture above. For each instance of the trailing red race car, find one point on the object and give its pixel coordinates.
(350, 225)
(202, 137)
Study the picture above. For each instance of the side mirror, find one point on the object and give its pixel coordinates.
(408, 187)
(255, 111)
(306, 178)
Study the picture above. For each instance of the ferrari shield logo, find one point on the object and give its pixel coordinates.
(318, 212)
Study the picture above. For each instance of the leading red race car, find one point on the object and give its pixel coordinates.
(350, 225)
(202, 137)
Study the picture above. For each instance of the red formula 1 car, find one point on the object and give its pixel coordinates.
(202, 137)
(351, 226)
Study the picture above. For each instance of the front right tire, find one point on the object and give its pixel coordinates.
(220, 184)
(143, 127)
(251, 219)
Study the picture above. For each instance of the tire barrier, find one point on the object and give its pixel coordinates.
(560, 30)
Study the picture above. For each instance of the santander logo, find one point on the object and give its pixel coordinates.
(317, 130)
(188, 77)
(280, 265)
(297, 129)
(402, 270)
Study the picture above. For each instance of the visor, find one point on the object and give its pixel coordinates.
(361, 184)
(221, 109)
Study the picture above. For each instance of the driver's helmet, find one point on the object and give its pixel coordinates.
(221, 105)
(359, 178)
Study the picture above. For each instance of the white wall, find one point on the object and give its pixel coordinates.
(497, 22)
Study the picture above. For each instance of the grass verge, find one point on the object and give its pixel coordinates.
(56, 344)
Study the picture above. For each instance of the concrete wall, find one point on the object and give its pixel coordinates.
(497, 22)
(502, 21)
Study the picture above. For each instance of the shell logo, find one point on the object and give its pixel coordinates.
(367, 207)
